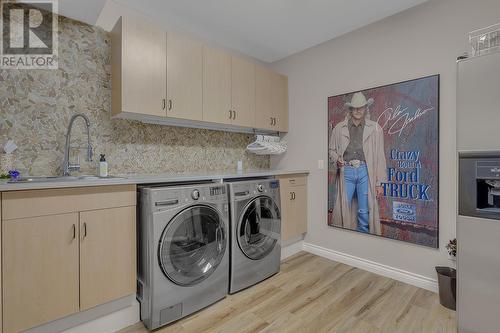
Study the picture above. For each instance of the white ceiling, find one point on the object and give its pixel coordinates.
(82, 10)
(269, 30)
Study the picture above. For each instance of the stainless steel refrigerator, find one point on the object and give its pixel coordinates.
(478, 222)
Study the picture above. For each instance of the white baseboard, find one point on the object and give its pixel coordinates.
(110, 323)
(290, 250)
(374, 267)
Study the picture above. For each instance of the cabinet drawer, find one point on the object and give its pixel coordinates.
(23, 204)
(294, 180)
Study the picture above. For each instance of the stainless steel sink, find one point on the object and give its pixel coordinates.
(53, 179)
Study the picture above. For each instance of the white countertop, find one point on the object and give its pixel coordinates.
(146, 179)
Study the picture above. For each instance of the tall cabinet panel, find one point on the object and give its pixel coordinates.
(138, 68)
(184, 77)
(243, 92)
(40, 270)
(107, 255)
(216, 86)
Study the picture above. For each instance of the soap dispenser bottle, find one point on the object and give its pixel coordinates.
(103, 166)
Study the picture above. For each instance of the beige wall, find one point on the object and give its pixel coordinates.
(421, 41)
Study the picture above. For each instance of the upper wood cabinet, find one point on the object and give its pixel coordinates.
(279, 88)
(167, 78)
(40, 270)
(228, 89)
(263, 98)
(139, 62)
(216, 86)
(184, 77)
(271, 100)
(243, 92)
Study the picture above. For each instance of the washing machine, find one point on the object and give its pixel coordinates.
(183, 250)
(255, 221)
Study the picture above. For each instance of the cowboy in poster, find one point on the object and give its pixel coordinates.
(356, 150)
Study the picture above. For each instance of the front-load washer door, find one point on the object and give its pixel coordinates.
(192, 245)
(259, 227)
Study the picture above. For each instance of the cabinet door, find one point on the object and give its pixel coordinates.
(263, 98)
(216, 86)
(287, 215)
(299, 210)
(184, 77)
(243, 92)
(139, 68)
(40, 270)
(107, 255)
(279, 89)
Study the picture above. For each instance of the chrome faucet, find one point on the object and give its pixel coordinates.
(67, 165)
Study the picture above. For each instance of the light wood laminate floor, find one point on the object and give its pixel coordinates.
(313, 294)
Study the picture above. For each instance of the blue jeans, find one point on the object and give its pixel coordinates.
(356, 181)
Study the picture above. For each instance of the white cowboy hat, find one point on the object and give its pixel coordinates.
(359, 100)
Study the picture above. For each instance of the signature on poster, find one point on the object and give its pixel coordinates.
(396, 120)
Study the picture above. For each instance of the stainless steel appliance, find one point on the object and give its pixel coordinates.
(478, 222)
(478, 235)
(182, 249)
(478, 115)
(255, 231)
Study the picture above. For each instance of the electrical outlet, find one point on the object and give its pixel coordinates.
(321, 164)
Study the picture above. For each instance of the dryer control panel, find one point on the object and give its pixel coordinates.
(243, 190)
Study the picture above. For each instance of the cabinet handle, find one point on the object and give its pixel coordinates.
(74, 231)
(271, 121)
(291, 195)
(84, 230)
(230, 114)
(234, 116)
(169, 104)
(164, 104)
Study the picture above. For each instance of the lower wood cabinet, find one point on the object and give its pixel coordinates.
(58, 264)
(40, 270)
(293, 205)
(107, 255)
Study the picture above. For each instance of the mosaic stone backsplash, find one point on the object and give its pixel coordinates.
(36, 105)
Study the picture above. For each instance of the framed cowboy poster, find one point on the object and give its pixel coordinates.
(383, 149)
